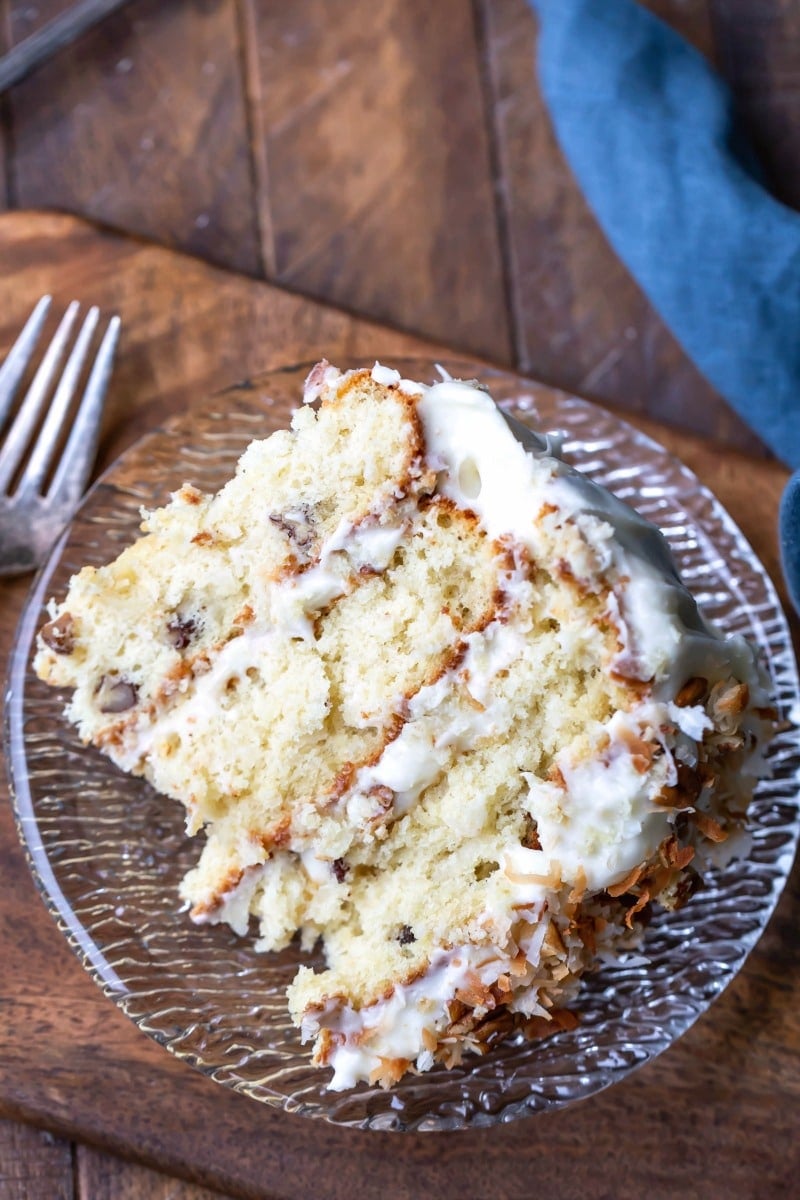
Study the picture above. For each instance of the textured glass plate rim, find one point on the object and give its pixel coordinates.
(372, 1108)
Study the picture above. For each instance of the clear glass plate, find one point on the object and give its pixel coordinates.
(107, 852)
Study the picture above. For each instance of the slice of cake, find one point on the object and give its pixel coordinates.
(434, 698)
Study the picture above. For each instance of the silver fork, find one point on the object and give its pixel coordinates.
(33, 511)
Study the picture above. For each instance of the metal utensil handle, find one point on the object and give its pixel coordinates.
(53, 36)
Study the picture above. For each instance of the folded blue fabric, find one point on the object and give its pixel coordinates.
(790, 537)
(649, 131)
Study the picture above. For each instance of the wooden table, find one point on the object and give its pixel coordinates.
(391, 158)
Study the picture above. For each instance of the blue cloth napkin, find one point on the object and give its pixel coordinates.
(649, 131)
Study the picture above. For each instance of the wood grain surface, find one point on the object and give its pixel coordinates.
(393, 157)
(35, 1163)
(705, 1116)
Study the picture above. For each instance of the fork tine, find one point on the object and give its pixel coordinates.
(19, 356)
(20, 432)
(78, 456)
(43, 451)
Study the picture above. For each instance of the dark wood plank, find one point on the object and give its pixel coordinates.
(5, 112)
(705, 1119)
(690, 18)
(103, 1177)
(581, 321)
(375, 179)
(142, 124)
(759, 53)
(34, 1165)
(177, 346)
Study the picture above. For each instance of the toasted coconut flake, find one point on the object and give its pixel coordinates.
(730, 698)
(519, 965)
(554, 942)
(625, 885)
(710, 828)
(530, 838)
(521, 877)
(637, 908)
(389, 1071)
(450, 1054)
(476, 995)
(579, 888)
(327, 1042)
(429, 1039)
(641, 751)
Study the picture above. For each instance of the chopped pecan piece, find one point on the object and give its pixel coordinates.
(189, 494)
(340, 867)
(685, 792)
(530, 837)
(297, 525)
(115, 694)
(587, 928)
(694, 691)
(181, 631)
(315, 381)
(542, 1027)
(59, 635)
(494, 1029)
(555, 775)
(686, 887)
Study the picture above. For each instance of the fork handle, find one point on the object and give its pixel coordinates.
(53, 36)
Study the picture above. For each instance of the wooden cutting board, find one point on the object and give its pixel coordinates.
(719, 1109)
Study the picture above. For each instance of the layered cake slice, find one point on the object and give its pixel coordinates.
(434, 698)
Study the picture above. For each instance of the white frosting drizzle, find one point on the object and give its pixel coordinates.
(606, 821)
(426, 744)
(294, 604)
(394, 1028)
(391, 378)
(505, 472)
